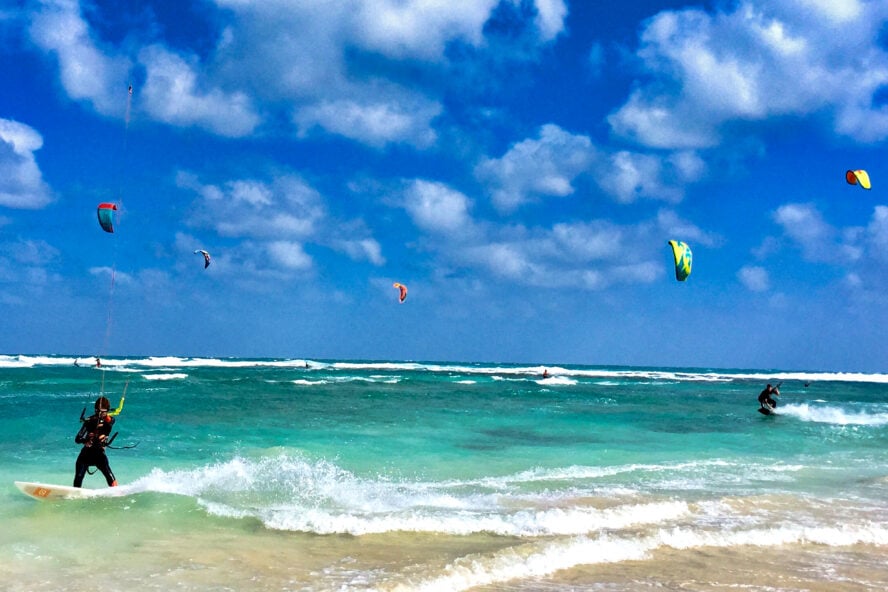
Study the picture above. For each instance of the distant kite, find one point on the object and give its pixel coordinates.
(858, 177)
(402, 296)
(106, 216)
(681, 252)
(206, 257)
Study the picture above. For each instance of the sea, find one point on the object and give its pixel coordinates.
(337, 475)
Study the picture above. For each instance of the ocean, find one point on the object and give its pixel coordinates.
(322, 475)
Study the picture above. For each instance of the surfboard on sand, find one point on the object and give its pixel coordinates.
(46, 491)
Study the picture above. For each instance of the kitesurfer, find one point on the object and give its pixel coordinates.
(93, 435)
(545, 373)
(765, 399)
(98, 362)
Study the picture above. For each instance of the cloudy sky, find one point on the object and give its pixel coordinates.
(519, 164)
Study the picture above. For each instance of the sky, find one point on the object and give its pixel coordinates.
(519, 165)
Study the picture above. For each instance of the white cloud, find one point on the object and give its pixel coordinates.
(755, 278)
(877, 234)
(30, 253)
(417, 28)
(400, 119)
(545, 166)
(838, 12)
(590, 241)
(757, 61)
(550, 18)
(550, 165)
(332, 65)
(304, 53)
(592, 256)
(820, 241)
(174, 94)
(289, 255)
(119, 277)
(364, 249)
(86, 71)
(438, 208)
(286, 208)
(276, 218)
(21, 182)
(679, 229)
(631, 175)
(804, 225)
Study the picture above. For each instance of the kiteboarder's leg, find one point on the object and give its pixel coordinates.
(102, 465)
(80, 468)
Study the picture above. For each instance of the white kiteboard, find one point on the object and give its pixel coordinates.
(45, 491)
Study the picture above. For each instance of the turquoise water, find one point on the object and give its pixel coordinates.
(323, 475)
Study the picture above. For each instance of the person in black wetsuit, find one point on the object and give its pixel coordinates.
(93, 435)
(765, 399)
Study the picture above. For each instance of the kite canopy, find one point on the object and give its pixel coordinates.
(206, 257)
(402, 296)
(682, 254)
(858, 177)
(106, 216)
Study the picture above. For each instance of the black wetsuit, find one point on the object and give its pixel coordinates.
(93, 452)
(765, 399)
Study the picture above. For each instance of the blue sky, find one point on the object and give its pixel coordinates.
(518, 164)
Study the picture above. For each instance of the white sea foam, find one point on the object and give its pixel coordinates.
(536, 560)
(173, 376)
(833, 415)
(287, 492)
(290, 493)
(496, 371)
(557, 381)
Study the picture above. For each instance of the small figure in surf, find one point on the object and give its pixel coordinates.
(765, 399)
(545, 373)
(93, 435)
(75, 362)
(98, 362)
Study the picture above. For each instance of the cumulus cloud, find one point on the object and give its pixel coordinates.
(543, 166)
(755, 278)
(275, 219)
(630, 175)
(591, 255)
(551, 164)
(174, 94)
(877, 233)
(755, 61)
(305, 53)
(331, 66)
(88, 71)
(21, 182)
(437, 208)
(289, 255)
(376, 123)
(417, 28)
(285, 208)
(33, 253)
(805, 226)
(360, 250)
(674, 226)
(550, 18)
